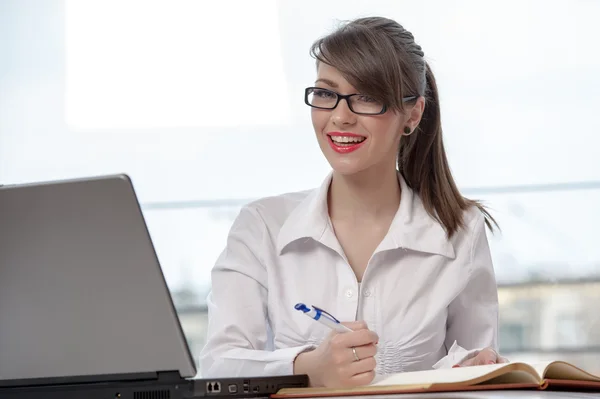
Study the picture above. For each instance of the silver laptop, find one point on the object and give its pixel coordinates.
(84, 307)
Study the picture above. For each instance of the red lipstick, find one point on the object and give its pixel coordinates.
(345, 147)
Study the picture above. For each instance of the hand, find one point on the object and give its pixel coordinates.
(333, 364)
(486, 356)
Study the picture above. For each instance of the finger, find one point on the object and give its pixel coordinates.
(492, 357)
(362, 378)
(483, 357)
(362, 366)
(356, 325)
(357, 338)
(363, 352)
(466, 363)
(486, 356)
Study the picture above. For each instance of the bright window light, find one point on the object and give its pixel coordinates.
(141, 64)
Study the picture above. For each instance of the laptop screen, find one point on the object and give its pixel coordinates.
(81, 290)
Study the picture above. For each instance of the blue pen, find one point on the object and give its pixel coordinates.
(322, 317)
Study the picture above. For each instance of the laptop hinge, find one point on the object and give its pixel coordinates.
(87, 379)
(169, 376)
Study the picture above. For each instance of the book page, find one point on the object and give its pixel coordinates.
(563, 371)
(453, 379)
(541, 367)
(459, 375)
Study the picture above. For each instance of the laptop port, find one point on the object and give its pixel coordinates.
(232, 388)
(213, 387)
(255, 389)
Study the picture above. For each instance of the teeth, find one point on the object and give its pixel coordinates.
(346, 139)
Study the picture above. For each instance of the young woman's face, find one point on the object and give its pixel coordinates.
(353, 143)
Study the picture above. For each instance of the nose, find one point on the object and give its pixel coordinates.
(341, 115)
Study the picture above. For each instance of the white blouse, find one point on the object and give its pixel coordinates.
(426, 297)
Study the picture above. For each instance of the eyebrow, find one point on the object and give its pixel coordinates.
(327, 82)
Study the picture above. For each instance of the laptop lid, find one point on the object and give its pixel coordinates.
(81, 290)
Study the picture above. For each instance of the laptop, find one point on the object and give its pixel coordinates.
(85, 311)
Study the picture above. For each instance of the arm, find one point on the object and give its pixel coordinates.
(473, 314)
(237, 339)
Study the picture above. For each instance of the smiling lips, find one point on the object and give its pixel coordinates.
(344, 143)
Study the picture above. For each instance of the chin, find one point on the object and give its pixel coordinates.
(346, 168)
(346, 165)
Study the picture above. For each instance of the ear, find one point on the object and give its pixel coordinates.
(415, 113)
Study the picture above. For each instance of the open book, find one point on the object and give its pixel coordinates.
(548, 375)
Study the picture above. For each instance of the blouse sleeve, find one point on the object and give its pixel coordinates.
(238, 333)
(473, 314)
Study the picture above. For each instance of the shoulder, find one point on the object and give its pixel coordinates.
(472, 232)
(278, 205)
(473, 219)
(272, 211)
(475, 237)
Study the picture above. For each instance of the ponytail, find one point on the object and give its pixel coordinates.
(381, 58)
(423, 163)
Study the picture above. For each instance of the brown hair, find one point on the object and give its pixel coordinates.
(380, 58)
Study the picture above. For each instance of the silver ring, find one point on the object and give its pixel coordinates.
(355, 355)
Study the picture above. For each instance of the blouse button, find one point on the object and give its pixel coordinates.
(367, 293)
(349, 293)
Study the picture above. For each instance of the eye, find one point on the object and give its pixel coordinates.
(365, 99)
(322, 93)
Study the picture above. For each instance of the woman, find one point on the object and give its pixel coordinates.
(387, 244)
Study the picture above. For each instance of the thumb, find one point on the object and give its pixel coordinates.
(356, 325)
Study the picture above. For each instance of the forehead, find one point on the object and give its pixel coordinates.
(331, 77)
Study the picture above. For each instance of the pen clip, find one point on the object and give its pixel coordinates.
(326, 313)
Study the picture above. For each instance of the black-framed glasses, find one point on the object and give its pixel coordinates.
(360, 104)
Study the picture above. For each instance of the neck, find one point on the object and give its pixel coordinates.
(370, 195)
